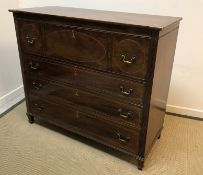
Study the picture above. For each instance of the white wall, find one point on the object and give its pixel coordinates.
(11, 89)
(186, 95)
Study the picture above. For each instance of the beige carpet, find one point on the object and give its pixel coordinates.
(33, 149)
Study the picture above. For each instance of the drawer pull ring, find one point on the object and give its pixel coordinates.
(37, 86)
(126, 60)
(34, 67)
(126, 92)
(39, 107)
(30, 40)
(122, 138)
(125, 116)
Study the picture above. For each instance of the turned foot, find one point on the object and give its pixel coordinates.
(30, 118)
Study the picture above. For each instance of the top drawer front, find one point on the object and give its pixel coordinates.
(30, 37)
(131, 55)
(76, 45)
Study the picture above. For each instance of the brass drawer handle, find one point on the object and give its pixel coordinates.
(37, 86)
(30, 40)
(127, 60)
(125, 115)
(128, 92)
(39, 107)
(121, 138)
(33, 67)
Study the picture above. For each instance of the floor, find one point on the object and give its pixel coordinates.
(27, 149)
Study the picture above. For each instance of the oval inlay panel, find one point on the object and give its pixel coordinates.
(30, 37)
(74, 45)
(130, 56)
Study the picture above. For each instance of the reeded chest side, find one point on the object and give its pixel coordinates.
(98, 77)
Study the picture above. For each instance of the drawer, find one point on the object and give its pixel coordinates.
(76, 45)
(85, 124)
(107, 108)
(30, 37)
(131, 56)
(131, 91)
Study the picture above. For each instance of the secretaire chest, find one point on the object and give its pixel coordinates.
(103, 75)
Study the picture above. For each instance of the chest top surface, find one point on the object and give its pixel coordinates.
(151, 21)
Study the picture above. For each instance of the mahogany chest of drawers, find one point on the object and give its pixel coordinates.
(103, 75)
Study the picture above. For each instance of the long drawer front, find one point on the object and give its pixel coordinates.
(107, 108)
(85, 124)
(130, 91)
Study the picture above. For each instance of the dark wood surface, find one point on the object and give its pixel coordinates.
(85, 78)
(153, 21)
(103, 75)
(70, 117)
(30, 37)
(130, 55)
(164, 64)
(65, 42)
(108, 109)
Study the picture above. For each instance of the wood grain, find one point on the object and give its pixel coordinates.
(153, 21)
(112, 64)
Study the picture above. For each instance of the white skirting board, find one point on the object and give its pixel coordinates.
(197, 113)
(10, 99)
(191, 112)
